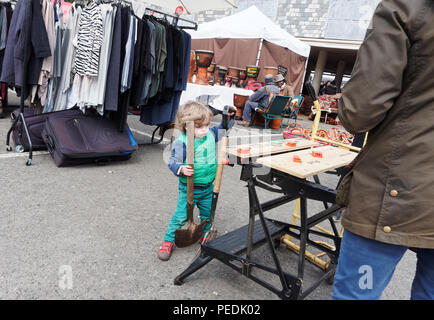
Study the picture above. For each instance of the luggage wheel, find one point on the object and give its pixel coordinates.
(19, 148)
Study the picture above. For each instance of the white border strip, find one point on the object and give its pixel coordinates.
(13, 154)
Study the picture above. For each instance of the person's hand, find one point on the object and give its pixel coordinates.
(187, 171)
(232, 111)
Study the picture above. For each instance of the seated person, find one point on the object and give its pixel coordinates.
(261, 96)
(285, 90)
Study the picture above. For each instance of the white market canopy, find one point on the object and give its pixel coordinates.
(250, 24)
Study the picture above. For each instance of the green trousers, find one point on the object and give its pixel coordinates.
(202, 200)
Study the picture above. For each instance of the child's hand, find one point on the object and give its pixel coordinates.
(232, 111)
(187, 171)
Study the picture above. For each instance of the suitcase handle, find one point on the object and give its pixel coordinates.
(50, 143)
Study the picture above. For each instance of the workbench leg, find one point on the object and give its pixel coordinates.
(252, 212)
(192, 268)
(258, 210)
(303, 237)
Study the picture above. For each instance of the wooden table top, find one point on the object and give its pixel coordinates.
(307, 165)
(270, 147)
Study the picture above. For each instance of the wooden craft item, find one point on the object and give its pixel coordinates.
(316, 154)
(296, 159)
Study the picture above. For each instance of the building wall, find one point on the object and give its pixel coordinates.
(303, 18)
(330, 19)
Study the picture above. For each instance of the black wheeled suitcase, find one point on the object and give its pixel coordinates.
(81, 139)
(35, 124)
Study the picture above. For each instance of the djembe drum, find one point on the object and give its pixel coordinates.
(238, 73)
(228, 81)
(239, 103)
(192, 68)
(216, 74)
(252, 73)
(203, 61)
(233, 72)
(234, 82)
(270, 70)
(222, 74)
(210, 71)
(243, 75)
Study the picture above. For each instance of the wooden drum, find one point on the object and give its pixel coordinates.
(212, 67)
(228, 81)
(192, 68)
(223, 71)
(216, 74)
(203, 61)
(239, 103)
(211, 71)
(243, 74)
(270, 70)
(252, 73)
(233, 72)
(234, 81)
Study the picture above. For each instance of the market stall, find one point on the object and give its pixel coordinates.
(251, 38)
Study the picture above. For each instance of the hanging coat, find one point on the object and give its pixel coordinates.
(26, 46)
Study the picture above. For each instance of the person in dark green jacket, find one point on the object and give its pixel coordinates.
(205, 166)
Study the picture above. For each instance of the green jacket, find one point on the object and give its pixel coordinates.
(205, 159)
(391, 95)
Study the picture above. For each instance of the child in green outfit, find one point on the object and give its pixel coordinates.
(205, 165)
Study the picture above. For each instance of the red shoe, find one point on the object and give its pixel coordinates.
(165, 250)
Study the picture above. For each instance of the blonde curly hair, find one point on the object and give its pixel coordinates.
(193, 108)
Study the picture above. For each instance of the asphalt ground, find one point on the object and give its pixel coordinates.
(93, 232)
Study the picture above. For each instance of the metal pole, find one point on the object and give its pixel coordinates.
(259, 51)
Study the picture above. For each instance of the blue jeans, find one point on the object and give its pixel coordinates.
(202, 199)
(248, 108)
(366, 266)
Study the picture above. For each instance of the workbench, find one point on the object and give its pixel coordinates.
(283, 167)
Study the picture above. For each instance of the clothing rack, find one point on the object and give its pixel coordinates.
(4, 102)
(24, 90)
(175, 18)
(25, 87)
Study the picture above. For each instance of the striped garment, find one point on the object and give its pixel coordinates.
(89, 41)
